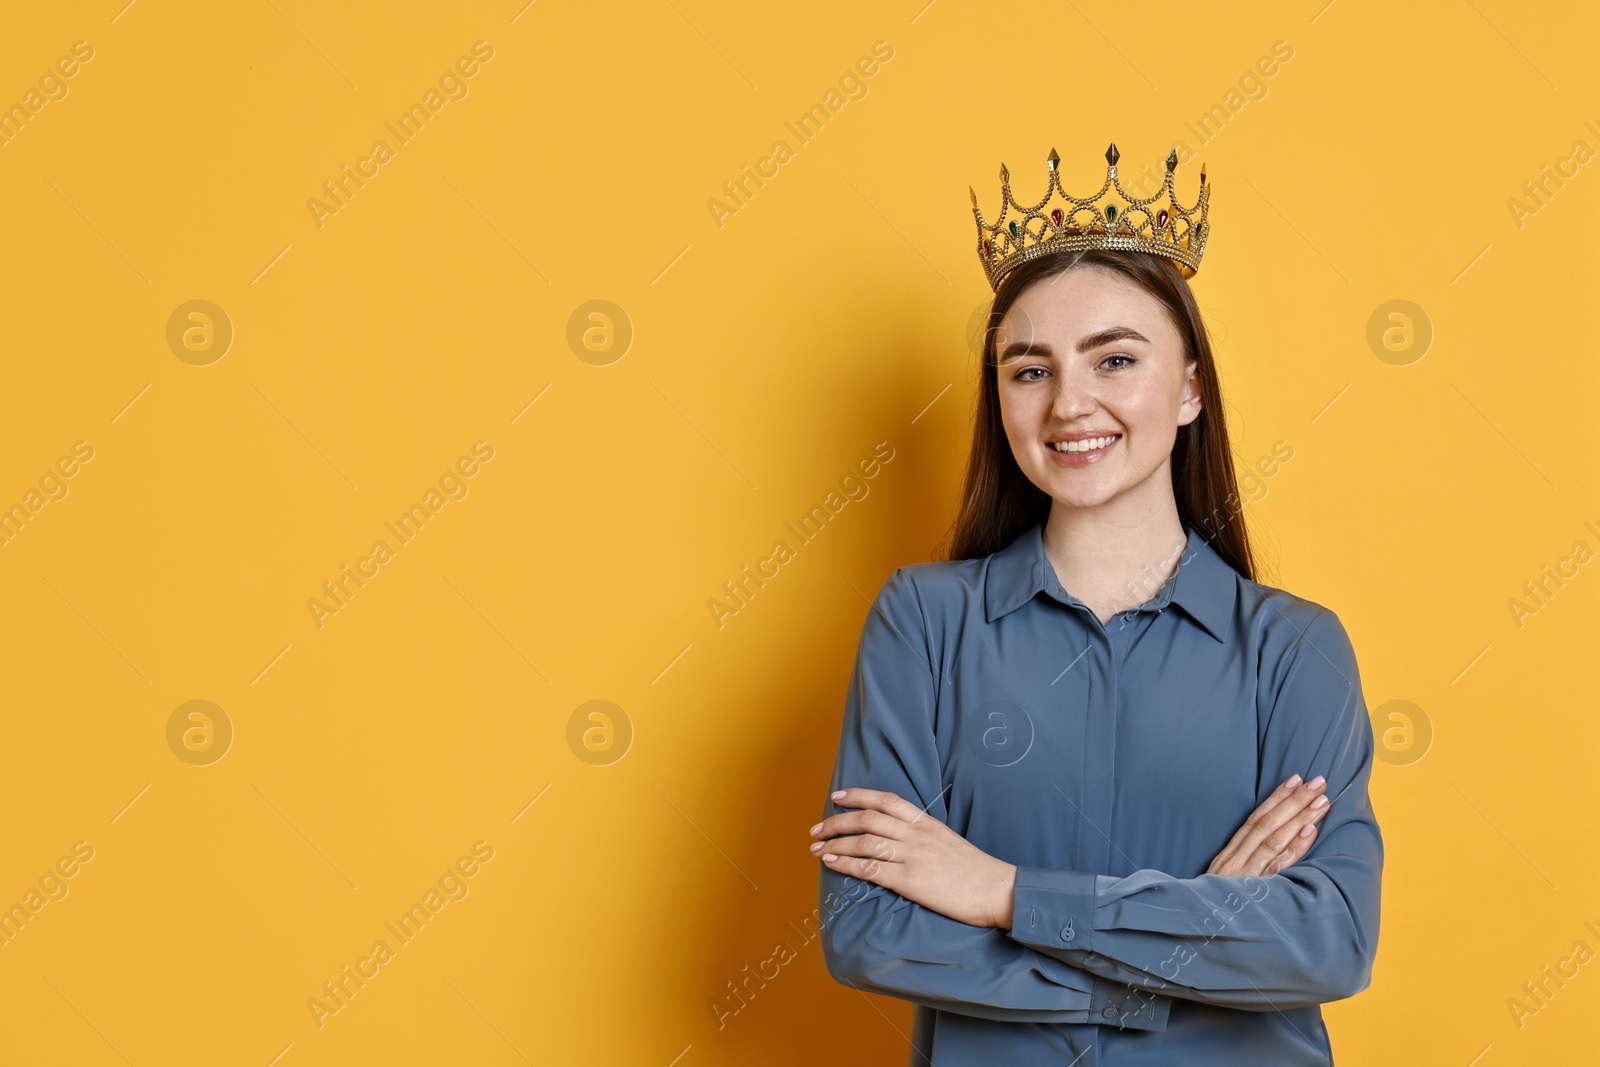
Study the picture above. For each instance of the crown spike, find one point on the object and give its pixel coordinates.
(1005, 175)
(974, 194)
(1202, 174)
(1112, 155)
(1172, 161)
(1054, 159)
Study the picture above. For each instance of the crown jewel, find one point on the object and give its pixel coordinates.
(1122, 222)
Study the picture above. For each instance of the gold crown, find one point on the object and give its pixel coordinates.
(1173, 231)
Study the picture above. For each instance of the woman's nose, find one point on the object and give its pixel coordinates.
(1073, 397)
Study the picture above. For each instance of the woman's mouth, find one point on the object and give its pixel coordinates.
(1078, 453)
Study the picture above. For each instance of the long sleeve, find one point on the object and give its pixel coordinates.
(877, 940)
(1304, 936)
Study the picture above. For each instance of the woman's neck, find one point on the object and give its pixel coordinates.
(1114, 561)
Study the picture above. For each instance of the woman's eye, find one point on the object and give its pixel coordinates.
(1129, 360)
(1019, 375)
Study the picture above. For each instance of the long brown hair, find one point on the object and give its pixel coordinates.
(998, 502)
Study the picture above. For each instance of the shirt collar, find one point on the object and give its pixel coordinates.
(1204, 585)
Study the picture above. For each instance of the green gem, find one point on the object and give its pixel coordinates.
(1013, 228)
(1111, 213)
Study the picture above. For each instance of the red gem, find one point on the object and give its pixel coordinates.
(1055, 216)
(1161, 219)
(986, 247)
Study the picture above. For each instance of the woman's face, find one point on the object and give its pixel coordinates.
(1087, 353)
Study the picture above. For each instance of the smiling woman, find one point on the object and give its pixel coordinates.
(1151, 880)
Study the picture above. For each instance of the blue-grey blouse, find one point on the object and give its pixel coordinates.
(1111, 763)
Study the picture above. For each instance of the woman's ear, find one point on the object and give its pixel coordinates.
(1189, 405)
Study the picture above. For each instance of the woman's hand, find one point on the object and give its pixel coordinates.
(1278, 832)
(895, 844)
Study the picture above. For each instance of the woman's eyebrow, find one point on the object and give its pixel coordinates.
(1102, 337)
(1106, 336)
(1017, 349)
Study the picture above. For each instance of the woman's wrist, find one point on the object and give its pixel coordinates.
(1005, 896)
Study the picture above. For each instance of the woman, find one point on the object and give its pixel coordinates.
(1071, 826)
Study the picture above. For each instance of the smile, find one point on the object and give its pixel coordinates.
(1092, 444)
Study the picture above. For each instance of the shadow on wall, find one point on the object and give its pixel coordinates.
(768, 995)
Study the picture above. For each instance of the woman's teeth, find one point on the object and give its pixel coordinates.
(1087, 445)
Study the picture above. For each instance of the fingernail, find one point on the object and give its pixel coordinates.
(838, 794)
(815, 845)
(1321, 800)
(1317, 781)
(1309, 830)
(1292, 782)
(815, 828)
(829, 856)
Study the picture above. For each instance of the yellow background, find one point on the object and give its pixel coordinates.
(769, 354)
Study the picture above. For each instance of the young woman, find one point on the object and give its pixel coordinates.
(1101, 797)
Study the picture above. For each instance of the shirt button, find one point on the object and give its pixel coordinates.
(1110, 1012)
(1066, 933)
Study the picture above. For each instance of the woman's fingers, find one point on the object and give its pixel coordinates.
(873, 811)
(866, 846)
(1289, 843)
(883, 801)
(1292, 853)
(1272, 813)
(863, 856)
(1273, 833)
(1284, 808)
(1284, 804)
(855, 822)
(1276, 798)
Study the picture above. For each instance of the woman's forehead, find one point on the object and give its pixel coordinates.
(1082, 286)
(1068, 307)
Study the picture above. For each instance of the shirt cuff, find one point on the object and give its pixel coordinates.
(1126, 1008)
(1054, 910)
